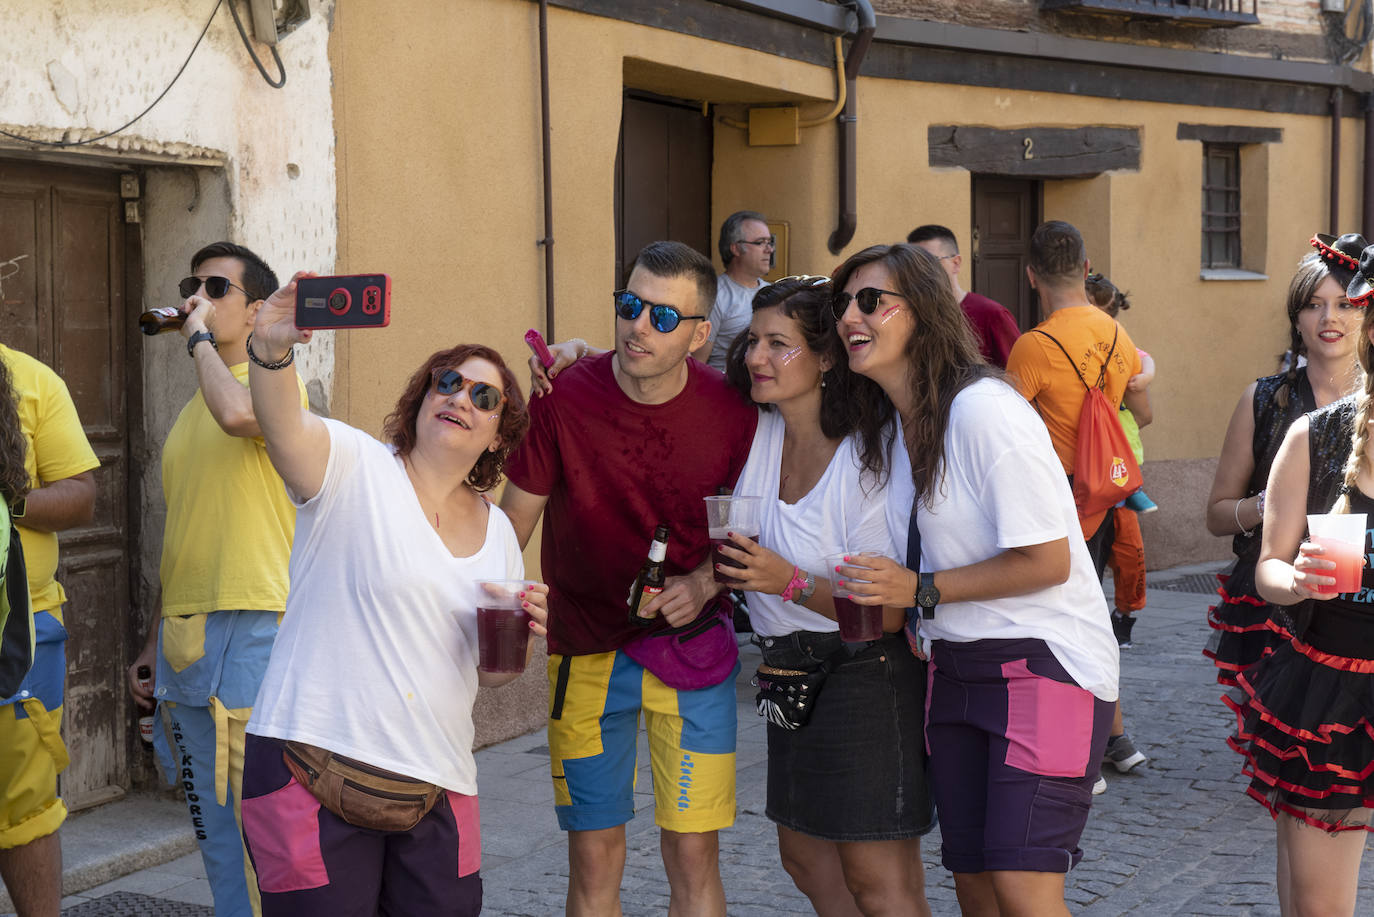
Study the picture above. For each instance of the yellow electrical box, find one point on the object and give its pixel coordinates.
(774, 126)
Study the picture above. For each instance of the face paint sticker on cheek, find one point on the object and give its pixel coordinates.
(791, 355)
(887, 316)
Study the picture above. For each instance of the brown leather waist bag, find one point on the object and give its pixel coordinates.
(360, 794)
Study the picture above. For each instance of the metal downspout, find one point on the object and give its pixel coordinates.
(849, 128)
(1336, 98)
(547, 241)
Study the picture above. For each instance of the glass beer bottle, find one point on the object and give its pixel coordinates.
(156, 321)
(650, 580)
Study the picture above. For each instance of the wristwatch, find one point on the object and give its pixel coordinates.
(927, 596)
(196, 338)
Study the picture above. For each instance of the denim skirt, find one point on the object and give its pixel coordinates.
(857, 770)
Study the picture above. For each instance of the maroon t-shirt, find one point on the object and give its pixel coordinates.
(994, 325)
(612, 469)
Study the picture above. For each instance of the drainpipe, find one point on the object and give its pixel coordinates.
(1368, 164)
(1336, 99)
(849, 127)
(547, 241)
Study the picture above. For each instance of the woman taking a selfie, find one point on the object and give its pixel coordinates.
(374, 672)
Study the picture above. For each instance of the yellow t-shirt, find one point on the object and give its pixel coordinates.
(229, 522)
(57, 449)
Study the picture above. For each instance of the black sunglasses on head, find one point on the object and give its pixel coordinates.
(483, 395)
(867, 300)
(663, 318)
(215, 287)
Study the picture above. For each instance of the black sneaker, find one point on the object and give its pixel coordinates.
(1121, 627)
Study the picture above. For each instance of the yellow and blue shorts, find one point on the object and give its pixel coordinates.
(32, 753)
(594, 707)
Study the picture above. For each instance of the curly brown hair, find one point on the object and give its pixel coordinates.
(14, 477)
(942, 352)
(399, 426)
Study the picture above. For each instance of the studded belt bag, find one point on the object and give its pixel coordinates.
(360, 794)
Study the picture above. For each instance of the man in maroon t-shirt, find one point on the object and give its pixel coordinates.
(624, 441)
(994, 325)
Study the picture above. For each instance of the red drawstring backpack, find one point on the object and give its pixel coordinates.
(1104, 466)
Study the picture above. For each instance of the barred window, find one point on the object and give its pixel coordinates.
(1221, 205)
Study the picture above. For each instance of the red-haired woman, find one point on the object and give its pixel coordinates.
(376, 660)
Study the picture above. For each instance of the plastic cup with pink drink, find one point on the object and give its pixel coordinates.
(503, 626)
(1342, 537)
(857, 622)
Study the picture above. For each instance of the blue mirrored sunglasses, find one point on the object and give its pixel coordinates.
(663, 318)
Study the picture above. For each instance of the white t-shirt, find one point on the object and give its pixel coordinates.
(730, 315)
(1003, 487)
(377, 654)
(845, 511)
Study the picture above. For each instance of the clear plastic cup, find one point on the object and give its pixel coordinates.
(1342, 537)
(503, 626)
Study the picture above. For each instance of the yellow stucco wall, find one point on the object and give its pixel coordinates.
(440, 183)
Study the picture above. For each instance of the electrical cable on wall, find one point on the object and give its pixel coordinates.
(1349, 31)
(163, 93)
(248, 46)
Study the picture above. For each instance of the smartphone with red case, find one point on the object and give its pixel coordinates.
(343, 301)
(541, 350)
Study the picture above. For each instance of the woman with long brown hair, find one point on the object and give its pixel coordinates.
(1002, 585)
(1306, 714)
(1323, 327)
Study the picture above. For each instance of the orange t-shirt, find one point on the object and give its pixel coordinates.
(1044, 377)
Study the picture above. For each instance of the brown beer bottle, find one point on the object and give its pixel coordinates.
(649, 582)
(156, 321)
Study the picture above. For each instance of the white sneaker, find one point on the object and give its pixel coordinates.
(1100, 786)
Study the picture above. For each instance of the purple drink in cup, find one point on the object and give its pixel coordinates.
(503, 626)
(726, 514)
(858, 623)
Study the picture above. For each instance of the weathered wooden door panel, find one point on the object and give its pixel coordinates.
(62, 237)
(663, 178)
(1005, 213)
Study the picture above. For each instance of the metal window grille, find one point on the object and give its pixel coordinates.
(1221, 205)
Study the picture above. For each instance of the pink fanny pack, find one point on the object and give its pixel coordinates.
(696, 655)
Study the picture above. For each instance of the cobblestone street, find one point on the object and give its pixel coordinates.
(1175, 836)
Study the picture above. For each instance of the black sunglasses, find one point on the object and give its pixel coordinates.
(215, 287)
(663, 318)
(867, 299)
(483, 395)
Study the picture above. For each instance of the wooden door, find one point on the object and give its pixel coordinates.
(663, 177)
(63, 300)
(1005, 213)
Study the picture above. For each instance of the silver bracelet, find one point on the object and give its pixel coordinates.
(1239, 524)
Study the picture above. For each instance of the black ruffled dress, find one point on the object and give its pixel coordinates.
(1241, 635)
(1305, 713)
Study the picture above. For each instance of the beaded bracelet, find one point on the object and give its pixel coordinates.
(280, 364)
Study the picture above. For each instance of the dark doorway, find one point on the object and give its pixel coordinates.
(662, 176)
(1005, 213)
(66, 289)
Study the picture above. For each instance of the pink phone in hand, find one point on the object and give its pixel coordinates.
(541, 350)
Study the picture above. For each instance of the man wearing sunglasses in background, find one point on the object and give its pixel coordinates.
(746, 249)
(625, 441)
(225, 549)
